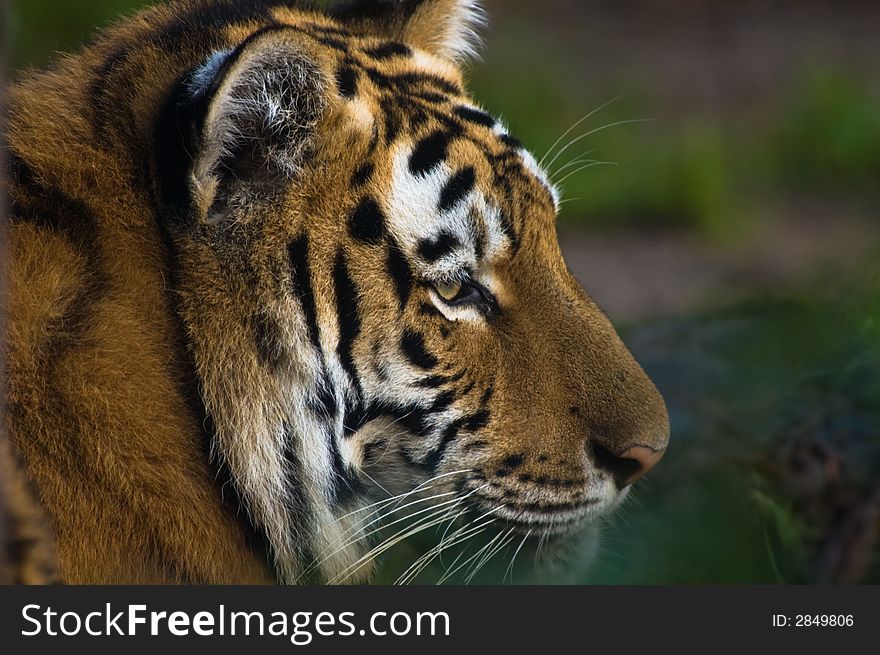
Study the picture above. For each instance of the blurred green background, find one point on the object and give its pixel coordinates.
(721, 203)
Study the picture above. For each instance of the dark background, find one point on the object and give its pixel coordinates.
(727, 220)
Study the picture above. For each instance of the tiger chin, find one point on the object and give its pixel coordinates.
(280, 294)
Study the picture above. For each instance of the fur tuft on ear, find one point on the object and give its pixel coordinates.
(448, 28)
(263, 101)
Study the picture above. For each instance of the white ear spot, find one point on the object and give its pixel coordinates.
(428, 63)
(361, 115)
(204, 75)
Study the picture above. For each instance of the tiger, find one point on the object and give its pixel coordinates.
(272, 277)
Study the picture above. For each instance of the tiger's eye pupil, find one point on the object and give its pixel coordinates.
(448, 290)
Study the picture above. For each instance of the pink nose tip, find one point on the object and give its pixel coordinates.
(640, 460)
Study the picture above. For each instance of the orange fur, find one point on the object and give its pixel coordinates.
(129, 325)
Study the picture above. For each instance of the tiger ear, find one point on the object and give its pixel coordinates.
(260, 104)
(448, 28)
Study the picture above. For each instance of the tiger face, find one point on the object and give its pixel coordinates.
(375, 300)
(292, 236)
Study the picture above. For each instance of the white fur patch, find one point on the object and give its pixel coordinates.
(428, 63)
(535, 169)
(204, 75)
(413, 214)
(461, 38)
(361, 115)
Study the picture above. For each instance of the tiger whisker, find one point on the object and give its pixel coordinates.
(383, 545)
(449, 571)
(441, 506)
(423, 524)
(504, 541)
(420, 487)
(574, 126)
(580, 159)
(470, 559)
(364, 535)
(541, 543)
(432, 555)
(459, 536)
(584, 167)
(509, 570)
(595, 131)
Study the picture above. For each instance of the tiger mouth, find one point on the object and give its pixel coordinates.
(542, 519)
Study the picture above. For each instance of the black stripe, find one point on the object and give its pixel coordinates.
(357, 12)
(405, 82)
(478, 229)
(456, 188)
(324, 402)
(348, 317)
(333, 42)
(392, 118)
(430, 97)
(509, 230)
(513, 462)
(477, 421)
(389, 50)
(409, 84)
(298, 253)
(433, 249)
(429, 309)
(401, 274)
(435, 381)
(413, 418)
(511, 141)
(442, 402)
(327, 29)
(474, 115)
(296, 500)
(432, 461)
(268, 340)
(346, 485)
(362, 175)
(50, 208)
(413, 346)
(471, 423)
(367, 222)
(429, 152)
(347, 81)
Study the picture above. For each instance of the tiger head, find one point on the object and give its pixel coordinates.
(368, 273)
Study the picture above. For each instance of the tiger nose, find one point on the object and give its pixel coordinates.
(631, 464)
(643, 459)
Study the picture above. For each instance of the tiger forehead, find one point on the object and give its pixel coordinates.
(393, 91)
(437, 176)
(432, 172)
(410, 91)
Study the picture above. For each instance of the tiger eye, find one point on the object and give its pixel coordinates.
(448, 290)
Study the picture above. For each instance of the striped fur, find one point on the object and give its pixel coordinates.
(230, 226)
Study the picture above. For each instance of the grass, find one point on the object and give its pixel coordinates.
(820, 137)
(830, 136)
(750, 390)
